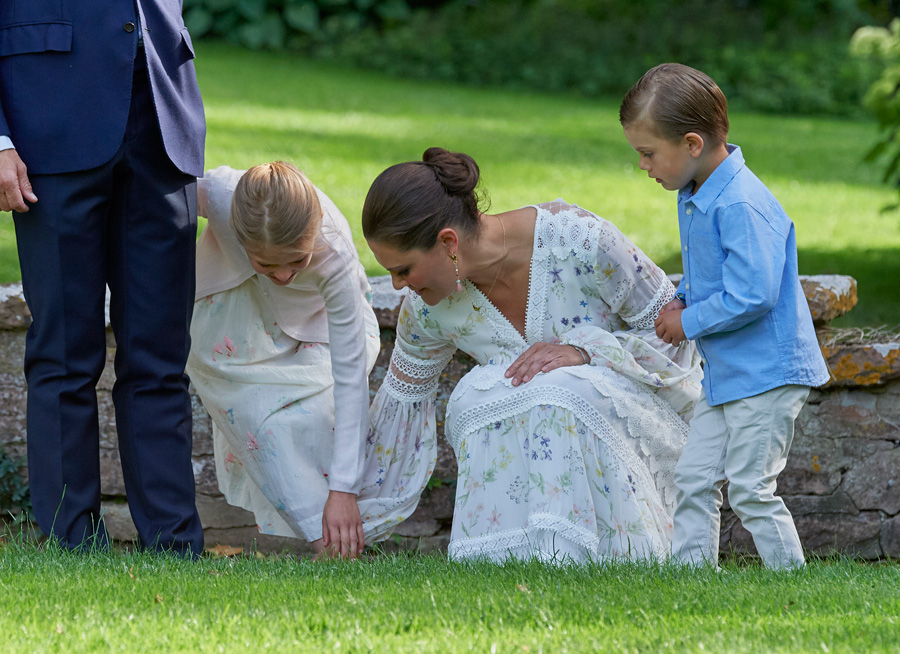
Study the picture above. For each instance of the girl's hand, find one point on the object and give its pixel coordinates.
(668, 326)
(543, 357)
(342, 531)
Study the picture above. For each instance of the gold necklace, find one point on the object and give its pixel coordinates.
(499, 270)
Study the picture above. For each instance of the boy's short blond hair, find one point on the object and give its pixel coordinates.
(675, 99)
(275, 205)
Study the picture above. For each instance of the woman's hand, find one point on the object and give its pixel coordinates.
(342, 532)
(544, 357)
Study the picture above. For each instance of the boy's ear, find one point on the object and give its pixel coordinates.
(695, 143)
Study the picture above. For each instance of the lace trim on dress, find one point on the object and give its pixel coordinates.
(505, 336)
(413, 367)
(537, 296)
(646, 319)
(561, 230)
(502, 542)
(564, 229)
(499, 546)
(484, 378)
(410, 379)
(661, 447)
(463, 424)
(537, 285)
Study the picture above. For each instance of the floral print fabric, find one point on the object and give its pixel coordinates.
(577, 463)
(271, 399)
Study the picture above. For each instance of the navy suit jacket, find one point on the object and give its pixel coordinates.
(65, 80)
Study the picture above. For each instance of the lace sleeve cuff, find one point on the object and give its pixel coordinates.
(410, 379)
(646, 319)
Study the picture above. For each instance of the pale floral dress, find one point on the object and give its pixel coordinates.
(289, 413)
(578, 463)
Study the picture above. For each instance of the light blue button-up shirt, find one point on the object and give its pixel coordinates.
(745, 306)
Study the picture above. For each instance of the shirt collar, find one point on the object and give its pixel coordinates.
(716, 182)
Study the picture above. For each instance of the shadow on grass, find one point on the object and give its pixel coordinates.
(877, 274)
(340, 150)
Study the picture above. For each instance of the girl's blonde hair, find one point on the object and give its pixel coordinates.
(275, 205)
(677, 99)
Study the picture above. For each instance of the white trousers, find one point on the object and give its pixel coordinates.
(745, 442)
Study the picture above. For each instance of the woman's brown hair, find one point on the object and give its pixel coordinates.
(676, 99)
(409, 203)
(275, 205)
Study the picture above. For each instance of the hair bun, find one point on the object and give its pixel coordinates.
(457, 172)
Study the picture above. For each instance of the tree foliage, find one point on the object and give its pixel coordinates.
(882, 45)
(784, 56)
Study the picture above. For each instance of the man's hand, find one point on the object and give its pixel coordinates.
(15, 188)
(543, 357)
(342, 531)
(668, 325)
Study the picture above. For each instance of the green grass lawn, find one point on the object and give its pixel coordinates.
(343, 127)
(55, 601)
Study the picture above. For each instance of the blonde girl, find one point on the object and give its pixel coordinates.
(283, 333)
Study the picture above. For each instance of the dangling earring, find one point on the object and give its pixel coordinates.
(455, 261)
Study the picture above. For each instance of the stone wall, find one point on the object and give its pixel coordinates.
(842, 480)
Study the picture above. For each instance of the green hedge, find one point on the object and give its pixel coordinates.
(15, 499)
(786, 56)
(296, 24)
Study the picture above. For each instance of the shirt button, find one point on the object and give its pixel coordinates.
(689, 211)
(685, 248)
(687, 287)
(129, 27)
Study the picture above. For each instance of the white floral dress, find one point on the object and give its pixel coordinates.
(576, 464)
(283, 372)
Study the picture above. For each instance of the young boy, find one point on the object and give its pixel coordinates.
(741, 300)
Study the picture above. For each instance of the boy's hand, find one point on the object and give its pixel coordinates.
(342, 531)
(668, 325)
(672, 306)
